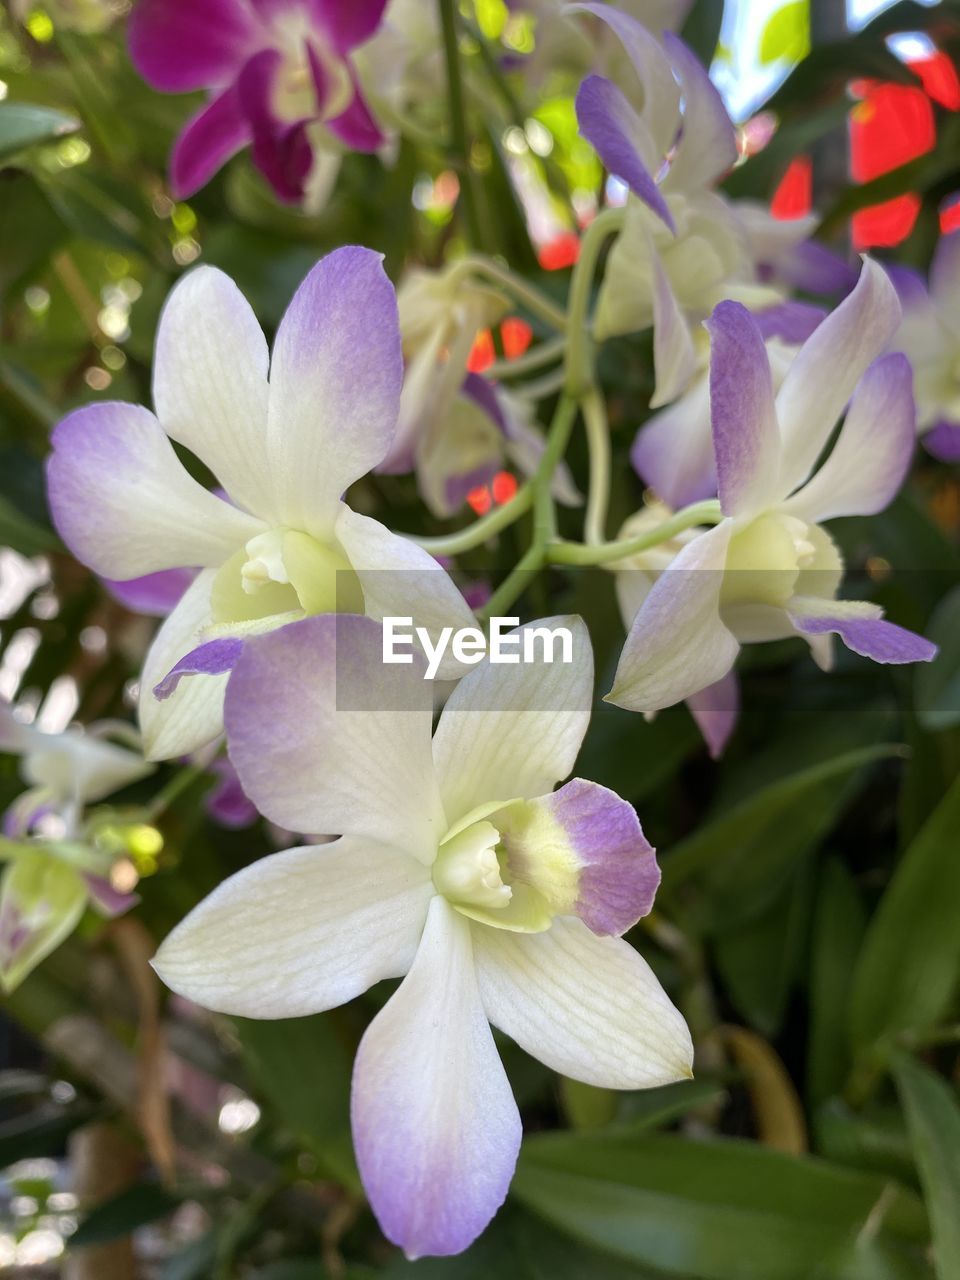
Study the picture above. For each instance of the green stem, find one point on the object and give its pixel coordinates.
(607, 552)
(536, 302)
(165, 797)
(598, 444)
(579, 353)
(544, 522)
(530, 362)
(481, 530)
(459, 142)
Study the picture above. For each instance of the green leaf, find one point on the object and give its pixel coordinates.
(22, 125)
(937, 683)
(838, 928)
(718, 1210)
(30, 230)
(735, 865)
(304, 1070)
(21, 534)
(40, 1133)
(120, 1216)
(786, 36)
(908, 968)
(292, 1269)
(933, 1118)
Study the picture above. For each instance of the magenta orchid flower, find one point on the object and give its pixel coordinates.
(930, 337)
(769, 570)
(459, 869)
(279, 76)
(284, 437)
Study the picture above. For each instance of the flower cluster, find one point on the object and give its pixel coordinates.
(451, 857)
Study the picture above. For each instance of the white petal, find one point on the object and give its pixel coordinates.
(674, 355)
(435, 1126)
(326, 737)
(210, 384)
(514, 730)
(828, 367)
(400, 579)
(300, 931)
(678, 643)
(193, 714)
(588, 1007)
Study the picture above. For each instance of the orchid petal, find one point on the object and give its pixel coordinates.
(678, 643)
(193, 714)
(154, 594)
(708, 142)
(328, 738)
(41, 901)
(181, 45)
(400, 579)
(435, 1126)
(210, 384)
(674, 354)
(207, 141)
(588, 1007)
(828, 367)
(862, 629)
(867, 465)
(348, 25)
(300, 931)
(356, 128)
(123, 503)
(791, 322)
(514, 730)
(745, 438)
(281, 150)
(673, 451)
(210, 659)
(943, 441)
(660, 91)
(620, 138)
(334, 385)
(716, 710)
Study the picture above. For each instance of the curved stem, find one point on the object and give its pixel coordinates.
(543, 353)
(608, 552)
(598, 444)
(481, 530)
(536, 302)
(579, 354)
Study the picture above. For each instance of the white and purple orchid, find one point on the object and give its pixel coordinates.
(930, 337)
(280, 79)
(54, 868)
(769, 570)
(284, 436)
(458, 868)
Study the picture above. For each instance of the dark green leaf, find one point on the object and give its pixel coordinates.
(937, 683)
(933, 1117)
(908, 968)
(42, 1132)
(123, 1214)
(23, 125)
(839, 924)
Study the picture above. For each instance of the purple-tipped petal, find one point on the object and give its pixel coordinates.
(182, 45)
(209, 139)
(870, 637)
(943, 441)
(745, 438)
(814, 268)
(227, 803)
(154, 594)
(716, 710)
(791, 322)
(619, 137)
(483, 393)
(356, 127)
(335, 382)
(673, 451)
(435, 1127)
(867, 465)
(124, 504)
(708, 143)
(348, 23)
(618, 872)
(210, 659)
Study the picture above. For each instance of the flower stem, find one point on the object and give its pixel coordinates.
(459, 142)
(481, 530)
(165, 797)
(579, 353)
(536, 302)
(608, 552)
(598, 444)
(530, 362)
